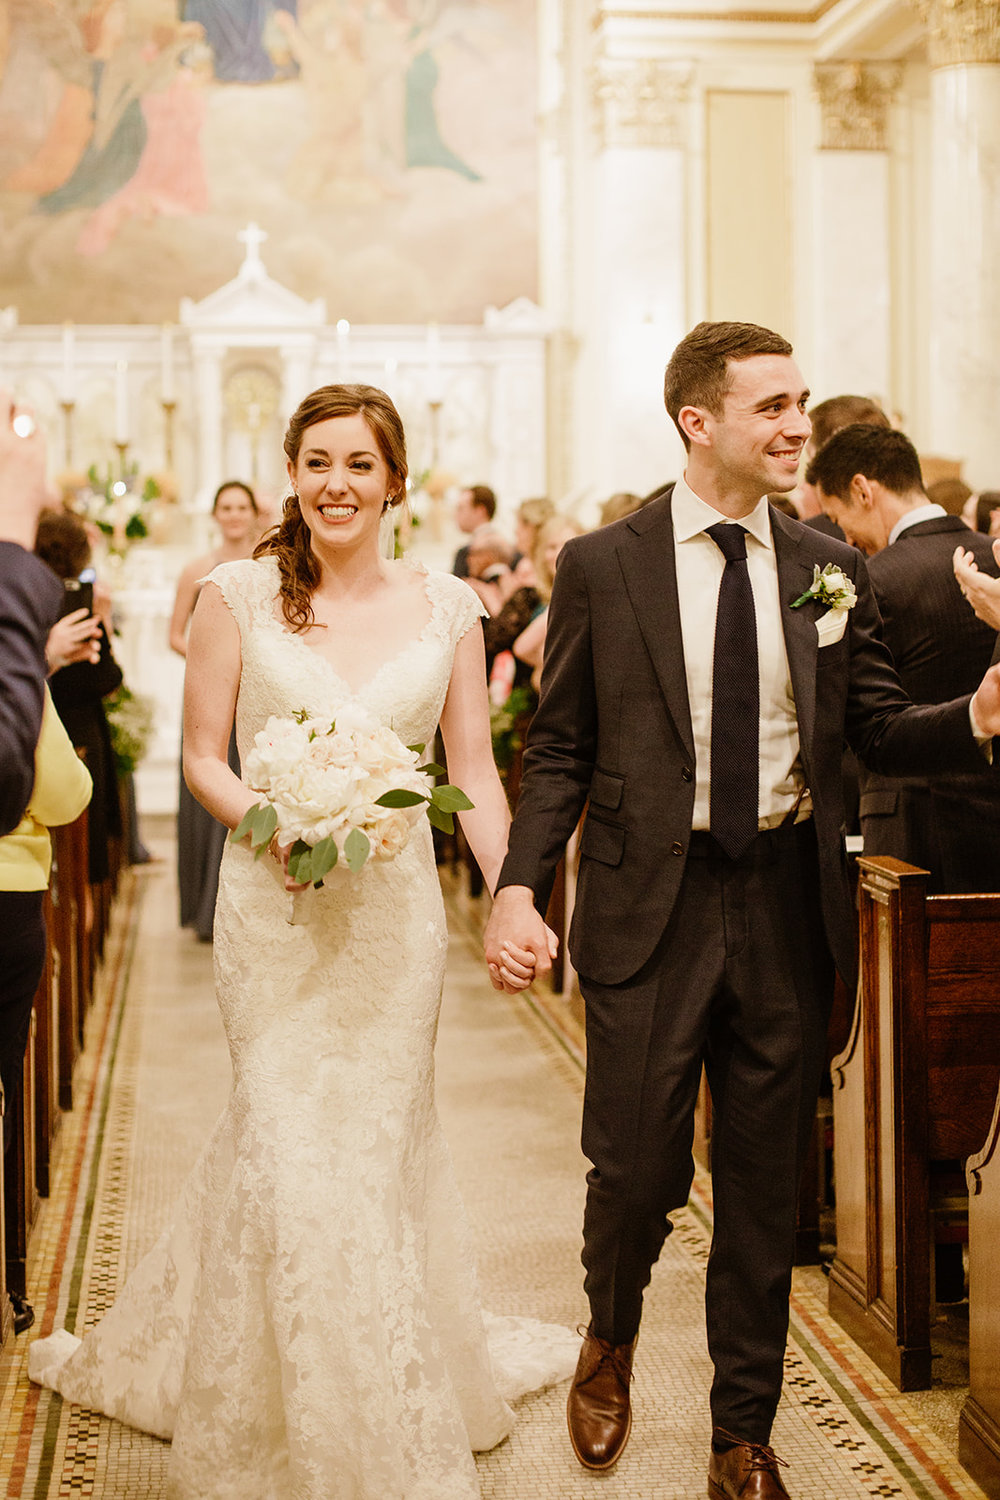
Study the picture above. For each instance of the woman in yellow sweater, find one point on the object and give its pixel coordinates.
(60, 793)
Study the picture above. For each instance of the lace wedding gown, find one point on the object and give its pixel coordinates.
(309, 1327)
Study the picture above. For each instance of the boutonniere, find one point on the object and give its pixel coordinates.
(830, 586)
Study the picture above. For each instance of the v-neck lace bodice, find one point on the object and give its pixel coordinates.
(407, 689)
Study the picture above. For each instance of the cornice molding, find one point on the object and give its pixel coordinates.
(807, 17)
(854, 102)
(640, 101)
(961, 31)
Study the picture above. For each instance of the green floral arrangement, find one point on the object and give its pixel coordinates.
(130, 720)
(119, 505)
(507, 723)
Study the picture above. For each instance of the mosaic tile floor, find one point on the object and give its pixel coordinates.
(154, 1077)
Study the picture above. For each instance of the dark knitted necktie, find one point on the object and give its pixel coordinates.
(735, 766)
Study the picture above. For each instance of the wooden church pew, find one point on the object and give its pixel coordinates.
(979, 1422)
(915, 1085)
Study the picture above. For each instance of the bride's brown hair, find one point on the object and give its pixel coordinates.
(289, 541)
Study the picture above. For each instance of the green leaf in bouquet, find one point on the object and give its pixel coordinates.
(261, 823)
(356, 849)
(300, 715)
(324, 857)
(417, 749)
(431, 769)
(438, 819)
(399, 797)
(300, 862)
(450, 799)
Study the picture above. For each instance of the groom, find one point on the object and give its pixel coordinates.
(697, 692)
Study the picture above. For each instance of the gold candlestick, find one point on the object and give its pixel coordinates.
(169, 407)
(67, 411)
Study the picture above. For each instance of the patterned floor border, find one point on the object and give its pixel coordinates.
(72, 1248)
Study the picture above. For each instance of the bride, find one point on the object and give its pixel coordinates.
(309, 1328)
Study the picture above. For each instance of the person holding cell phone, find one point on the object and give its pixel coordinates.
(79, 687)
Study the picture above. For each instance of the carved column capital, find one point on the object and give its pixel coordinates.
(640, 101)
(854, 100)
(961, 31)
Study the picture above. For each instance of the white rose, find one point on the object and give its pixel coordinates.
(277, 749)
(391, 834)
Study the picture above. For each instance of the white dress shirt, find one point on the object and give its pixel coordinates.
(700, 566)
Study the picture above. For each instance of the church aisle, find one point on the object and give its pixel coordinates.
(155, 1076)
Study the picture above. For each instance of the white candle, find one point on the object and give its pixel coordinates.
(68, 373)
(433, 362)
(343, 348)
(167, 363)
(121, 402)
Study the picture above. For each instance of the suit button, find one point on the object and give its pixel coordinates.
(687, 774)
(676, 848)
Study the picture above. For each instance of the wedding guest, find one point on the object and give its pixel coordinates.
(828, 417)
(530, 644)
(622, 503)
(60, 792)
(79, 689)
(200, 837)
(870, 481)
(476, 507)
(29, 603)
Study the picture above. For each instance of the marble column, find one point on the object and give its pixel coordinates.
(638, 307)
(964, 45)
(852, 231)
(208, 357)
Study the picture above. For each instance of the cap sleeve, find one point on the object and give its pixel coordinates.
(249, 588)
(457, 607)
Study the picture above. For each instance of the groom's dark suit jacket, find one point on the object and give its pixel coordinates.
(613, 726)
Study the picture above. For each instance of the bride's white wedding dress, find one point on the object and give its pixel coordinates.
(309, 1327)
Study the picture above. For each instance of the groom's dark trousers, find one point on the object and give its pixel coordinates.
(686, 956)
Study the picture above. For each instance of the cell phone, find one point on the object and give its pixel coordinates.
(77, 594)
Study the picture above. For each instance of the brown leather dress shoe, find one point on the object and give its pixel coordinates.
(598, 1411)
(748, 1471)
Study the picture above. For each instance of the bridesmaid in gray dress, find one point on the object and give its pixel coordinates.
(200, 837)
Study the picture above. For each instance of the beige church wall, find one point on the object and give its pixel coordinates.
(390, 155)
(749, 252)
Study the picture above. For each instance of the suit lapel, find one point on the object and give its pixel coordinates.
(648, 564)
(793, 555)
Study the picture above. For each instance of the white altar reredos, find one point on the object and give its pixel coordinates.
(208, 399)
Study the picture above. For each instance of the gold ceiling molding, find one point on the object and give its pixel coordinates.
(961, 31)
(794, 18)
(640, 101)
(854, 104)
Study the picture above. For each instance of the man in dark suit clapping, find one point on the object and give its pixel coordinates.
(705, 660)
(869, 481)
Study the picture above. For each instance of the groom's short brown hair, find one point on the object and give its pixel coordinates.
(698, 372)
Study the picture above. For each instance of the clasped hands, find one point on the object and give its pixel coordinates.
(519, 946)
(983, 593)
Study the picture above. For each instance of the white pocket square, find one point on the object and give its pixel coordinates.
(831, 626)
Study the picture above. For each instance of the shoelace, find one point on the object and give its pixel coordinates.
(761, 1457)
(609, 1355)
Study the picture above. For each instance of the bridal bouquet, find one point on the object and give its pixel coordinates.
(341, 793)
